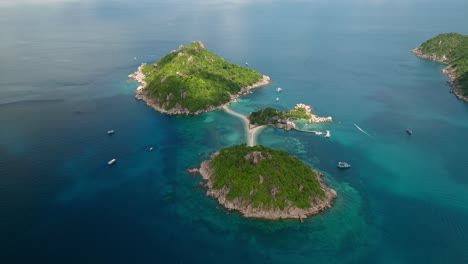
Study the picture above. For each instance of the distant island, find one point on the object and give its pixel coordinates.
(193, 80)
(260, 182)
(451, 49)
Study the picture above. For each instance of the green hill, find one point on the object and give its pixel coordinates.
(450, 48)
(272, 116)
(194, 79)
(261, 176)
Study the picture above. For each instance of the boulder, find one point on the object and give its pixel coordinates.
(254, 157)
(183, 94)
(192, 171)
(169, 96)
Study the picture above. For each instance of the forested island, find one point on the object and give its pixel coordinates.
(451, 49)
(193, 80)
(260, 182)
(271, 116)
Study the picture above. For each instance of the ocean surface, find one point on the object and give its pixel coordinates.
(63, 84)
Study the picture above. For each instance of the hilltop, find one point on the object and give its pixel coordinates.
(193, 80)
(451, 49)
(260, 182)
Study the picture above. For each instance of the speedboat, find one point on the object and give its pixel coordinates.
(343, 165)
(409, 132)
(110, 132)
(277, 99)
(278, 90)
(112, 161)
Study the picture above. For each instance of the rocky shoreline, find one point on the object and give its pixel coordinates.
(141, 94)
(453, 81)
(313, 118)
(248, 211)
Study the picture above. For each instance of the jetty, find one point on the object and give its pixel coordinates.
(318, 133)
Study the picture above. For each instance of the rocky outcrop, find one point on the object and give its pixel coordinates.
(313, 118)
(254, 157)
(183, 94)
(453, 81)
(139, 77)
(192, 171)
(246, 209)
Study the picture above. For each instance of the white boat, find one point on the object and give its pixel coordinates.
(112, 161)
(110, 132)
(278, 90)
(343, 165)
(134, 58)
(327, 134)
(246, 64)
(151, 148)
(277, 99)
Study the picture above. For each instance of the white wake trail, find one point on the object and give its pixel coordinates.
(362, 130)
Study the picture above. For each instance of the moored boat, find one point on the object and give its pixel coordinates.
(343, 165)
(110, 132)
(112, 161)
(409, 132)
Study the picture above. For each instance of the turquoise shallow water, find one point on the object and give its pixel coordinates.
(63, 84)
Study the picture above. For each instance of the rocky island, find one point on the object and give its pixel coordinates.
(283, 119)
(260, 182)
(193, 80)
(451, 49)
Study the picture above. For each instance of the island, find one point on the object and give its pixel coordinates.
(256, 121)
(193, 80)
(283, 119)
(450, 49)
(260, 182)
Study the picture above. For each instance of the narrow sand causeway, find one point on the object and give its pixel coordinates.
(251, 133)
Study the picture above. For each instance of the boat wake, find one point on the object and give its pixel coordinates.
(362, 130)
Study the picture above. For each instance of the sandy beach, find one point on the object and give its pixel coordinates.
(251, 132)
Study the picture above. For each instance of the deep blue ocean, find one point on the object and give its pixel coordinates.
(63, 84)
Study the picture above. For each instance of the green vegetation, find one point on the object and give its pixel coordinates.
(272, 116)
(297, 113)
(284, 177)
(265, 116)
(454, 47)
(195, 78)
